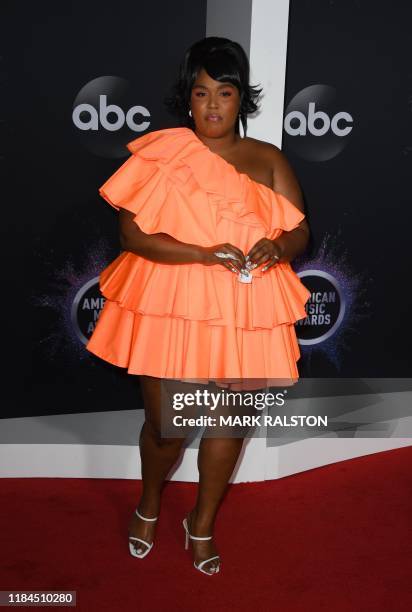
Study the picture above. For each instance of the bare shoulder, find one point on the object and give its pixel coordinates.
(268, 154)
(273, 159)
(264, 150)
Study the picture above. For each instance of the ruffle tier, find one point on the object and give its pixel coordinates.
(187, 350)
(173, 183)
(200, 293)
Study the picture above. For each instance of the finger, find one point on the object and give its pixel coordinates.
(271, 264)
(239, 253)
(231, 267)
(253, 253)
(236, 257)
(268, 267)
(256, 247)
(260, 257)
(257, 252)
(230, 259)
(236, 263)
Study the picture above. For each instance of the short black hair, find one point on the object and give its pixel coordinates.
(224, 60)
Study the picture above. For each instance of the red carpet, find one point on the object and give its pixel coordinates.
(337, 537)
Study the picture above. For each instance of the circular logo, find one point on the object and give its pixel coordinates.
(324, 309)
(87, 305)
(106, 117)
(315, 125)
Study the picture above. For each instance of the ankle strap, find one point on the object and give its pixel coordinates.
(146, 519)
(197, 538)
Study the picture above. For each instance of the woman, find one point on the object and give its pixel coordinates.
(203, 290)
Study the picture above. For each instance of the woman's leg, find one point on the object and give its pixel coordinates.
(158, 455)
(216, 461)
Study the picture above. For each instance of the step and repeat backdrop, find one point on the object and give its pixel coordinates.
(348, 134)
(94, 78)
(86, 80)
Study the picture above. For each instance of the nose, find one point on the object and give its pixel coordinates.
(212, 101)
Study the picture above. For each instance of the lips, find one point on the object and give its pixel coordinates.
(213, 117)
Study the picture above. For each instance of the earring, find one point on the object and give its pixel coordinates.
(190, 112)
(241, 128)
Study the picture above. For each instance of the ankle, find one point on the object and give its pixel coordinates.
(149, 508)
(200, 525)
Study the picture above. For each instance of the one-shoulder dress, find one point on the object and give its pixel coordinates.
(194, 322)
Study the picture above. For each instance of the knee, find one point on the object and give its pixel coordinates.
(161, 441)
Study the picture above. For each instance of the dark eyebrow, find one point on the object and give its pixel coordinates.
(219, 86)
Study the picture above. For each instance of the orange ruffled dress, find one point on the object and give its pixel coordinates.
(193, 322)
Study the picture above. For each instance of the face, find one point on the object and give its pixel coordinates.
(215, 106)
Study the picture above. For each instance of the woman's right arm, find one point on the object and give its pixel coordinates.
(164, 248)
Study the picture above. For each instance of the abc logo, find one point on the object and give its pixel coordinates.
(308, 125)
(100, 116)
(105, 116)
(315, 127)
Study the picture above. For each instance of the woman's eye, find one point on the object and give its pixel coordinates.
(200, 94)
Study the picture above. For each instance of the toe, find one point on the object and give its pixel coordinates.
(139, 547)
(212, 567)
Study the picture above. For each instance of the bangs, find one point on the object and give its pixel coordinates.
(221, 67)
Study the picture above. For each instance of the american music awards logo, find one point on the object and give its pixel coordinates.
(325, 308)
(338, 300)
(73, 293)
(86, 308)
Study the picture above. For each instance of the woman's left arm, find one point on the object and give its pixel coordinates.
(289, 244)
(293, 243)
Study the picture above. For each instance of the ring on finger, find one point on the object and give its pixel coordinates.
(226, 255)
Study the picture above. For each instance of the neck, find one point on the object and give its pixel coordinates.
(220, 144)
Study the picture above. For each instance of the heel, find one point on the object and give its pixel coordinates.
(200, 565)
(186, 533)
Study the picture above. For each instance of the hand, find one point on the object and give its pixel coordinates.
(265, 251)
(235, 263)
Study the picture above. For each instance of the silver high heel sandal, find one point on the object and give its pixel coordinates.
(149, 546)
(202, 563)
